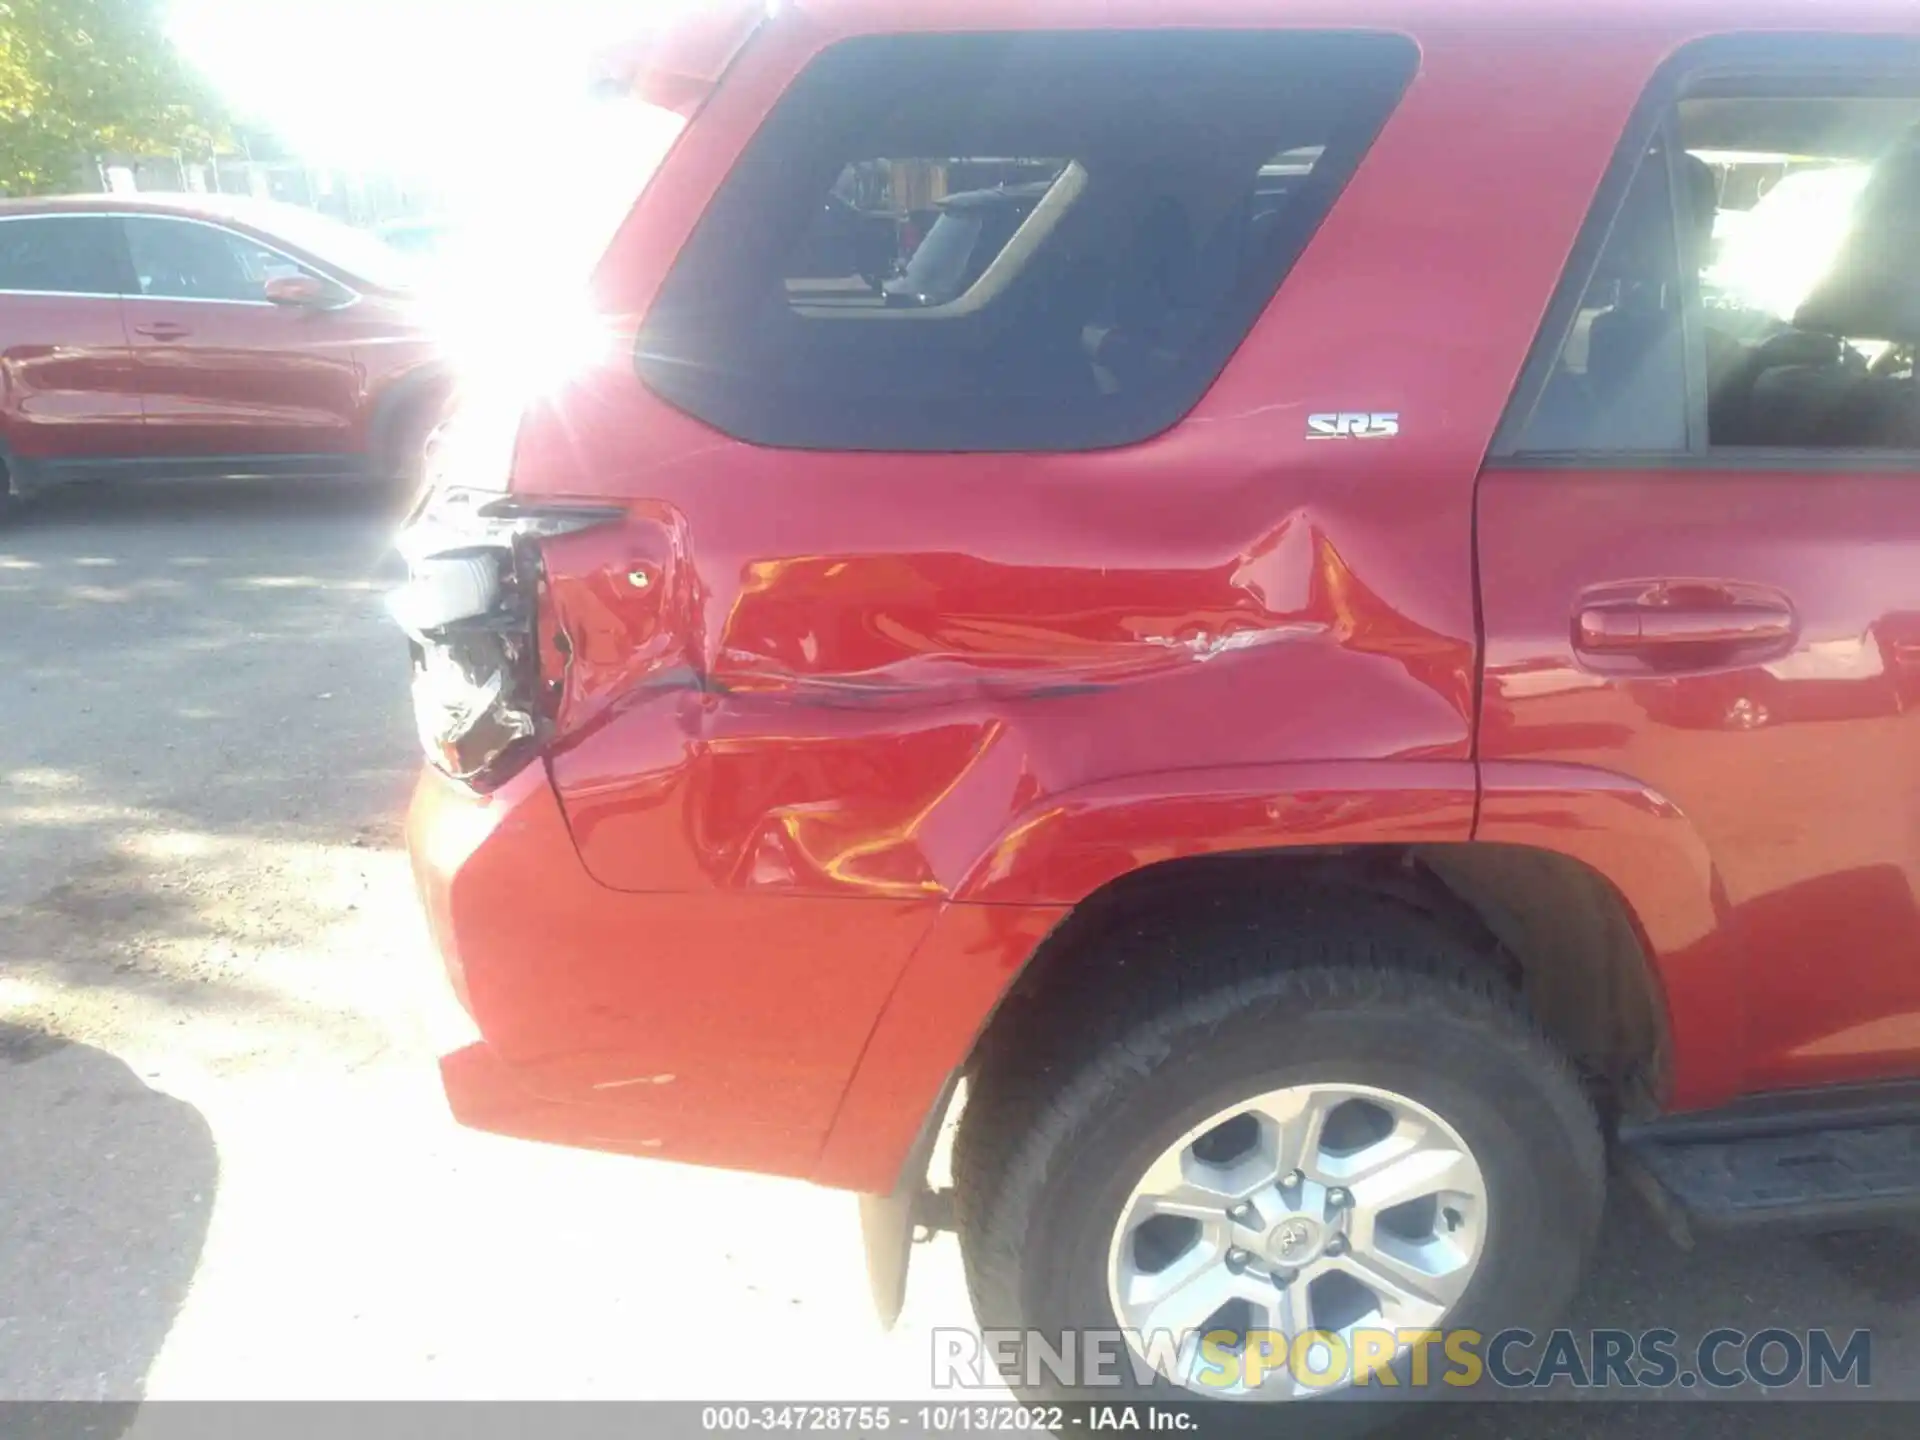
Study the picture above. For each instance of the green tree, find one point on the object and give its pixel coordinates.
(81, 77)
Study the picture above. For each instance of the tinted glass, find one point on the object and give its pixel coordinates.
(186, 260)
(357, 254)
(938, 265)
(1620, 380)
(1808, 209)
(1139, 196)
(64, 254)
(1782, 233)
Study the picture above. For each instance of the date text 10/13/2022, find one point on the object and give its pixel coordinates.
(910, 1420)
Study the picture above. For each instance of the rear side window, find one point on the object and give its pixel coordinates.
(1011, 242)
(61, 254)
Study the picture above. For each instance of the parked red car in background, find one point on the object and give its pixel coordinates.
(1334, 683)
(147, 337)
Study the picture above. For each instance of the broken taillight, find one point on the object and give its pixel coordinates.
(470, 610)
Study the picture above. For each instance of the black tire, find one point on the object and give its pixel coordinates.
(405, 463)
(402, 444)
(1053, 1142)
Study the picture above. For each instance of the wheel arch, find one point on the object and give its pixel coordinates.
(1026, 928)
(1012, 886)
(1549, 926)
(988, 974)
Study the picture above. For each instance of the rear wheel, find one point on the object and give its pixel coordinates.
(1312, 1208)
(1336, 1152)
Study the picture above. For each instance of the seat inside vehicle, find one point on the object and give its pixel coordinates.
(1795, 222)
(1837, 372)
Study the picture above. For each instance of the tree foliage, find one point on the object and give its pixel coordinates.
(84, 77)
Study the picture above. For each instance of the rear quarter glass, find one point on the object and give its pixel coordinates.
(1188, 169)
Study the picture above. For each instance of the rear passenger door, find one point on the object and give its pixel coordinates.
(1700, 536)
(70, 391)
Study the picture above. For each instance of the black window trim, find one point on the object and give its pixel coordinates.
(1785, 60)
(122, 260)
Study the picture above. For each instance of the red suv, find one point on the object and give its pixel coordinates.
(1360, 665)
(155, 337)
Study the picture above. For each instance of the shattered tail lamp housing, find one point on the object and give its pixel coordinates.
(469, 609)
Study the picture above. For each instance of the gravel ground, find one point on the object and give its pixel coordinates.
(225, 1168)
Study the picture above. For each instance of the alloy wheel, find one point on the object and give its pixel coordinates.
(1317, 1211)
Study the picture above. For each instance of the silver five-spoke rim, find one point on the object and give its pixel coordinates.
(1319, 1209)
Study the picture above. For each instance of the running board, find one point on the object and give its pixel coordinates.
(1814, 1158)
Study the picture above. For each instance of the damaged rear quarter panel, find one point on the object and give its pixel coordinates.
(853, 674)
(832, 675)
(856, 696)
(974, 687)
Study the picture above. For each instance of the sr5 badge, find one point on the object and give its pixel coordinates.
(1354, 425)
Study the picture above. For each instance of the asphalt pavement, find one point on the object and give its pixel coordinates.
(225, 1168)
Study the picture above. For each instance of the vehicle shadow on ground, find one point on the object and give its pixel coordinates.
(106, 1187)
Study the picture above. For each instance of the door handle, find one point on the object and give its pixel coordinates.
(1637, 627)
(163, 330)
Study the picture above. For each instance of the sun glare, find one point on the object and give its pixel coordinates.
(463, 91)
(489, 106)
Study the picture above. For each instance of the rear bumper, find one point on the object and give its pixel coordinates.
(717, 1029)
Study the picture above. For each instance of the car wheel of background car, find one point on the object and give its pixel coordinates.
(406, 456)
(406, 421)
(1287, 1148)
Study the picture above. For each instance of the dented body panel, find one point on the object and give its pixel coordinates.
(827, 716)
(881, 721)
(837, 739)
(597, 1028)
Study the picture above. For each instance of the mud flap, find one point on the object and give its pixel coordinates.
(887, 1221)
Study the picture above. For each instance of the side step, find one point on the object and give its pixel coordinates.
(1808, 1158)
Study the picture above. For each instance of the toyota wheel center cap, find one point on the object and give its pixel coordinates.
(1296, 1240)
